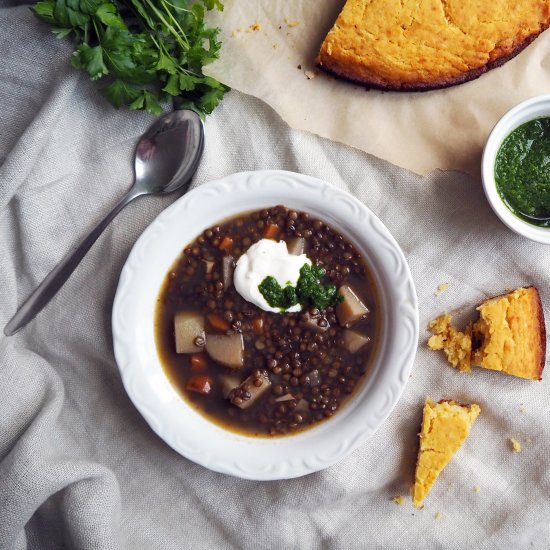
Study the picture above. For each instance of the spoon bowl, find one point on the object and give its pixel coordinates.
(168, 153)
(166, 158)
(544, 218)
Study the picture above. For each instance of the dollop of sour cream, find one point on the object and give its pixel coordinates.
(262, 259)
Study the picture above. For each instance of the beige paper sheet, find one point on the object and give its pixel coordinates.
(444, 129)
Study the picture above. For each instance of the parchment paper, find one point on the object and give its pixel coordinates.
(264, 43)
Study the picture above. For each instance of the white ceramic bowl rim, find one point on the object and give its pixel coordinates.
(530, 109)
(181, 426)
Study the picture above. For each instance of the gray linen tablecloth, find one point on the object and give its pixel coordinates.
(80, 468)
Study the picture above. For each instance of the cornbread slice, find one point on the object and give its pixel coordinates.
(445, 427)
(421, 45)
(509, 336)
(512, 334)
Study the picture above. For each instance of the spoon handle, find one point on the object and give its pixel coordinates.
(49, 287)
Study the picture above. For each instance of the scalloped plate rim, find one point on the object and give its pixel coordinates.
(291, 463)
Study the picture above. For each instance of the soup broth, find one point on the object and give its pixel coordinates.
(258, 372)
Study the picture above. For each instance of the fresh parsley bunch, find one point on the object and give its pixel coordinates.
(148, 50)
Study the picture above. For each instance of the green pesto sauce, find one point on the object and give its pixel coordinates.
(522, 171)
(309, 291)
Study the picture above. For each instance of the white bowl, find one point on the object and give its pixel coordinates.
(524, 112)
(191, 434)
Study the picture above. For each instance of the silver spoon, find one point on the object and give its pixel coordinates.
(543, 218)
(166, 158)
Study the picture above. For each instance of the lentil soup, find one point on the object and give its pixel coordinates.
(254, 371)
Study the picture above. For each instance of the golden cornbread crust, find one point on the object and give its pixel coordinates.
(509, 336)
(445, 427)
(420, 45)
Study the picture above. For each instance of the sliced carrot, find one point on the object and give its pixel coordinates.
(218, 322)
(258, 325)
(226, 243)
(198, 362)
(200, 384)
(271, 231)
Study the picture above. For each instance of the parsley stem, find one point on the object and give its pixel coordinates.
(98, 34)
(169, 27)
(182, 32)
(162, 48)
(178, 7)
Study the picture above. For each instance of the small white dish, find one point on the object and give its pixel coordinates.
(527, 110)
(177, 423)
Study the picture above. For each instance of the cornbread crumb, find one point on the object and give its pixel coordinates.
(445, 427)
(256, 26)
(290, 23)
(438, 515)
(516, 445)
(456, 345)
(477, 488)
(275, 46)
(509, 336)
(399, 499)
(441, 289)
(310, 74)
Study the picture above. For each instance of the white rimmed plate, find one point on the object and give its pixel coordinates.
(181, 426)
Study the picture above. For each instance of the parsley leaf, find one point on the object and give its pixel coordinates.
(91, 60)
(148, 51)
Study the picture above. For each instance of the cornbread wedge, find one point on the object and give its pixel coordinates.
(421, 45)
(509, 336)
(445, 427)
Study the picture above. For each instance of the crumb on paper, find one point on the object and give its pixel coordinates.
(311, 74)
(441, 289)
(256, 26)
(516, 445)
(438, 515)
(299, 67)
(275, 46)
(399, 499)
(477, 488)
(290, 23)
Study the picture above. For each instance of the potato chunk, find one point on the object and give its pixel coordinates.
(228, 384)
(227, 350)
(296, 246)
(188, 331)
(250, 390)
(228, 267)
(352, 309)
(354, 341)
(318, 323)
